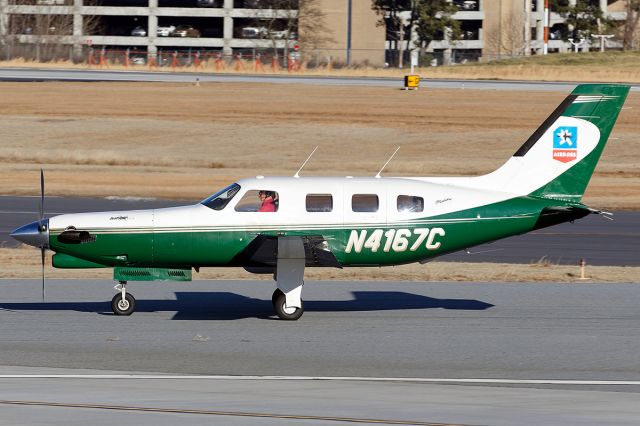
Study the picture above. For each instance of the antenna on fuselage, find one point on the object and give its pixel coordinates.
(297, 175)
(388, 161)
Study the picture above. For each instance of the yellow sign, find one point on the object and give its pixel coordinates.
(411, 81)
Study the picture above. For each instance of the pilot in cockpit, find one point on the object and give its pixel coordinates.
(269, 201)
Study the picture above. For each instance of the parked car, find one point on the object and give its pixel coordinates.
(52, 30)
(283, 35)
(253, 4)
(165, 31)
(466, 4)
(138, 59)
(255, 32)
(185, 31)
(209, 3)
(139, 32)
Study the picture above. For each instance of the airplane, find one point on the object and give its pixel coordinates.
(282, 225)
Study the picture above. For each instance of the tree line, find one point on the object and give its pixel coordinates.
(414, 24)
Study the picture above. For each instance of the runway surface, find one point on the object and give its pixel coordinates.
(577, 332)
(524, 331)
(599, 241)
(281, 402)
(30, 74)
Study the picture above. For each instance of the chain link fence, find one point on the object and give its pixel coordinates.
(187, 57)
(246, 59)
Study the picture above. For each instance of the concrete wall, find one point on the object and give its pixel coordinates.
(367, 39)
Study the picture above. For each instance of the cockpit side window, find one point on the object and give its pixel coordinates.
(261, 200)
(220, 199)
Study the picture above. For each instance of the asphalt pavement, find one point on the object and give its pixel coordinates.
(71, 361)
(32, 74)
(390, 329)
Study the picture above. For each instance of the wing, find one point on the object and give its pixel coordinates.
(261, 255)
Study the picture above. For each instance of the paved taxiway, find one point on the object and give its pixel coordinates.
(599, 241)
(231, 401)
(31, 74)
(524, 331)
(578, 332)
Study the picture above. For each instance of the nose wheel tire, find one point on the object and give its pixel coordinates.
(123, 307)
(282, 311)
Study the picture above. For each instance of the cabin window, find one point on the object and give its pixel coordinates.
(220, 199)
(318, 203)
(259, 200)
(365, 203)
(410, 204)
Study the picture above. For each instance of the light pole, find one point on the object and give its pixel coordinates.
(349, 17)
(545, 46)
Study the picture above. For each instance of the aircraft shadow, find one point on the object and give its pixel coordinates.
(232, 306)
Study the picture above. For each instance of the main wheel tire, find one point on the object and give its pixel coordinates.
(284, 313)
(275, 296)
(123, 307)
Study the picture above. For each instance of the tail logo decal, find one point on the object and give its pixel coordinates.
(565, 144)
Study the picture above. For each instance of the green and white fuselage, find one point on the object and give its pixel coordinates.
(453, 218)
(355, 221)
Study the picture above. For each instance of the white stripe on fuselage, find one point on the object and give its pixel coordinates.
(438, 200)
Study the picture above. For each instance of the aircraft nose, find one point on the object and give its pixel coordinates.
(35, 233)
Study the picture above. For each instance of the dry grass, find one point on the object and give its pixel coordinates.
(25, 263)
(585, 67)
(183, 142)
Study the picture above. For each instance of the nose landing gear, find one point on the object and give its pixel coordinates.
(123, 303)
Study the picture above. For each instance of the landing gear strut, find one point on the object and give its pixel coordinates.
(282, 311)
(289, 276)
(123, 303)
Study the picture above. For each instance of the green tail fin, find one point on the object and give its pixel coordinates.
(590, 112)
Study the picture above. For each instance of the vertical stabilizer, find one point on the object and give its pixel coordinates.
(557, 161)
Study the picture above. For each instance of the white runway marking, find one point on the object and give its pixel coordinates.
(27, 212)
(329, 378)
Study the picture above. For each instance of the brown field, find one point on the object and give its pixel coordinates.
(25, 263)
(183, 141)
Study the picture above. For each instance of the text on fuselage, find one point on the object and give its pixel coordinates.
(397, 240)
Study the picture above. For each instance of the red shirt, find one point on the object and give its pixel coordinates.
(268, 205)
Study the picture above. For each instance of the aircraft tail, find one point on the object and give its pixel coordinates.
(557, 161)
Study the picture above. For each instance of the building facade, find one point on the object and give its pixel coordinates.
(493, 29)
(227, 26)
(351, 32)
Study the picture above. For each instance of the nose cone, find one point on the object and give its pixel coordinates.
(35, 234)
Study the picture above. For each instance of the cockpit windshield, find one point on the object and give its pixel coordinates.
(220, 199)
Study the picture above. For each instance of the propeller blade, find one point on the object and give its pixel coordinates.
(41, 194)
(43, 253)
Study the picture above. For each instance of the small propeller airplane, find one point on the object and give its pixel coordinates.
(282, 225)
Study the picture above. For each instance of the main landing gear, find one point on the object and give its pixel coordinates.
(123, 303)
(287, 299)
(283, 312)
